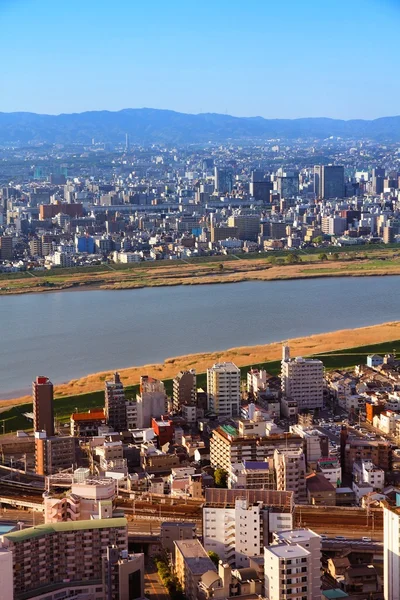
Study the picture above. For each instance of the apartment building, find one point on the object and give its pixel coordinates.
(252, 475)
(332, 471)
(228, 447)
(92, 498)
(115, 409)
(184, 389)
(379, 452)
(239, 523)
(286, 570)
(290, 472)
(63, 557)
(310, 541)
(223, 389)
(43, 413)
(191, 562)
(391, 552)
(173, 531)
(302, 380)
(151, 401)
(53, 454)
(84, 425)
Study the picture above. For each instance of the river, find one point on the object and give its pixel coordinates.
(66, 335)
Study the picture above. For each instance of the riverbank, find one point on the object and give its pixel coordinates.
(326, 343)
(227, 269)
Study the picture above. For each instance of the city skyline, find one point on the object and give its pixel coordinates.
(246, 60)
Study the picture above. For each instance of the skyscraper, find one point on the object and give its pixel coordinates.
(329, 181)
(260, 187)
(378, 180)
(223, 180)
(288, 184)
(115, 404)
(43, 412)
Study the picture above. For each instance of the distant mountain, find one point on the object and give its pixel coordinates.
(146, 125)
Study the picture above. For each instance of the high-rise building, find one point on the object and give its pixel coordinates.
(391, 552)
(68, 558)
(378, 180)
(287, 569)
(329, 181)
(260, 187)
(239, 523)
(151, 401)
(288, 184)
(115, 404)
(248, 226)
(6, 247)
(43, 411)
(302, 380)
(223, 180)
(290, 469)
(223, 389)
(184, 389)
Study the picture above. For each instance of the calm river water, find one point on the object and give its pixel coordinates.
(66, 335)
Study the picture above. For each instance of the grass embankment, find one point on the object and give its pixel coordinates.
(383, 339)
(368, 260)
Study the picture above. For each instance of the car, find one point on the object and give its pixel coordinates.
(366, 539)
(339, 537)
(323, 536)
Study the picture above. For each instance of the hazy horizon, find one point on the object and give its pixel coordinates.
(284, 60)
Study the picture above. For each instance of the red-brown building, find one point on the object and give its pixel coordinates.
(164, 430)
(48, 211)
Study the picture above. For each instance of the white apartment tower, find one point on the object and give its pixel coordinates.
(290, 472)
(286, 570)
(223, 389)
(302, 379)
(391, 552)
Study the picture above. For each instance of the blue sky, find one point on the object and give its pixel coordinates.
(287, 59)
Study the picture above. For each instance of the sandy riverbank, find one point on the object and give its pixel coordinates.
(242, 356)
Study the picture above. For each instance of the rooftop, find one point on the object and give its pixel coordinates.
(288, 552)
(50, 528)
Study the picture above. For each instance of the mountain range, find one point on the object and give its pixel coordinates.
(146, 125)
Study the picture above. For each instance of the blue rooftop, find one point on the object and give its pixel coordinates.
(256, 464)
(6, 529)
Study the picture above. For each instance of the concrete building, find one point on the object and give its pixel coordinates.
(151, 401)
(332, 471)
(84, 425)
(316, 443)
(239, 523)
(6, 574)
(320, 491)
(290, 472)
(223, 389)
(248, 226)
(391, 552)
(123, 574)
(53, 454)
(115, 409)
(77, 552)
(286, 570)
(302, 380)
(184, 389)
(223, 180)
(329, 181)
(43, 414)
(191, 562)
(252, 475)
(172, 531)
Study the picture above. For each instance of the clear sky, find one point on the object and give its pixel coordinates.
(284, 58)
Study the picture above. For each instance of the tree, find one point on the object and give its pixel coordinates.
(318, 240)
(322, 256)
(335, 256)
(220, 478)
(221, 267)
(272, 260)
(292, 259)
(214, 557)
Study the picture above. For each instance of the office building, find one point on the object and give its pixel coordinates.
(64, 558)
(6, 247)
(302, 380)
(222, 232)
(223, 389)
(115, 409)
(288, 184)
(43, 415)
(378, 180)
(184, 389)
(54, 454)
(329, 181)
(260, 187)
(239, 523)
(248, 226)
(391, 552)
(123, 574)
(223, 180)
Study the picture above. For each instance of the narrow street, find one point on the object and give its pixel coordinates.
(154, 588)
